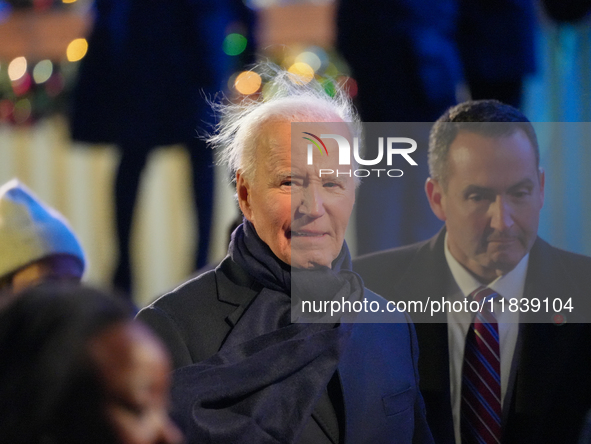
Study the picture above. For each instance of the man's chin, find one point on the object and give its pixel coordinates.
(309, 261)
(504, 263)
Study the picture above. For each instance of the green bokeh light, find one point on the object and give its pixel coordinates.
(328, 86)
(234, 44)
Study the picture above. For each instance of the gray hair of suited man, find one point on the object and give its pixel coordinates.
(489, 118)
(238, 132)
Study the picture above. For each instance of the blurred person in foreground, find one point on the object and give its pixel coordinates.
(36, 242)
(508, 372)
(585, 437)
(76, 368)
(245, 372)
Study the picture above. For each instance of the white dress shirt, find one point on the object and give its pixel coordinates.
(508, 286)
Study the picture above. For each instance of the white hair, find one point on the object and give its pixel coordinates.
(238, 132)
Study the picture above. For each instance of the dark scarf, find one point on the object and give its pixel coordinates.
(263, 384)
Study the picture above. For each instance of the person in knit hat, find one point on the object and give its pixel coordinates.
(36, 242)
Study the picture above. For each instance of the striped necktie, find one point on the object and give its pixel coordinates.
(480, 413)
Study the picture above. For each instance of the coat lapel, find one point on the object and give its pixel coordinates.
(429, 276)
(325, 416)
(235, 287)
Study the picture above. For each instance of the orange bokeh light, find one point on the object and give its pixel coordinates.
(247, 82)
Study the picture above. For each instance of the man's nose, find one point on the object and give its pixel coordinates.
(312, 203)
(501, 214)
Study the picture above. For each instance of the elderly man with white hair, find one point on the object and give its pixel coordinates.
(245, 372)
(36, 242)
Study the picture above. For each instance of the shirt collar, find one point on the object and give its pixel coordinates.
(510, 285)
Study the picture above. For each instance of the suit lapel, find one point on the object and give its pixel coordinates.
(325, 416)
(429, 276)
(235, 287)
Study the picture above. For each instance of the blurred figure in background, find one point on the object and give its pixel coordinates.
(496, 43)
(37, 243)
(76, 368)
(408, 58)
(144, 82)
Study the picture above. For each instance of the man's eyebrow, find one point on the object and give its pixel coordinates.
(527, 182)
(281, 175)
(333, 177)
(476, 189)
(288, 174)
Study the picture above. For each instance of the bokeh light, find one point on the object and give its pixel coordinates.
(76, 49)
(321, 54)
(248, 82)
(42, 5)
(349, 84)
(303, 73)
(55, 85)
(17, 68)
(234, 44)
(22, 110)
(331, 70)
(42, 71)
(310, 59)
(6, 107)
(22, 85)
(328, 86)
(68, 1)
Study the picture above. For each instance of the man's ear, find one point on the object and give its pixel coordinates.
(435, 196)
(542, 177)
(243, 193)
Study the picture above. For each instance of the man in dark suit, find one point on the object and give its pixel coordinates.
(245, 372)
(486, 185)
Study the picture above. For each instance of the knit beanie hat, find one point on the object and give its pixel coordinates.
(31, 230)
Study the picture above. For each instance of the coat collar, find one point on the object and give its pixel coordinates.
(235, 287)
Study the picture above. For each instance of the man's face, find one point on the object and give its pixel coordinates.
(492, 203)
(302, 217)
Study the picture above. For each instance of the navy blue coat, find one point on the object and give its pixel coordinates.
(552, 388)
(379, 401)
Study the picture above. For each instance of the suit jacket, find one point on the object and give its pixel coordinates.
(552, 383)
(377, 398)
